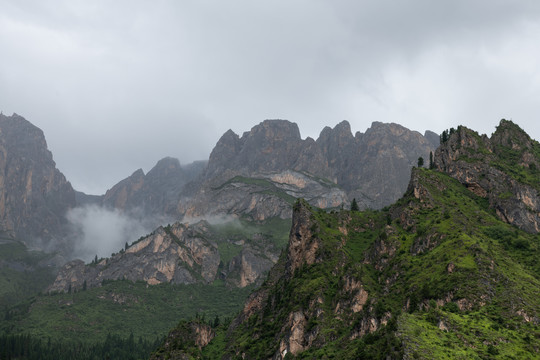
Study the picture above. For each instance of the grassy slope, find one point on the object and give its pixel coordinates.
(122, 308)
(495, 271)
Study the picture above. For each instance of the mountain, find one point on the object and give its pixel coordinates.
(156, 192)
(272, 165)
(236, 252)
(444, 272)
(34, 194)
(236, 211)
(254, 179)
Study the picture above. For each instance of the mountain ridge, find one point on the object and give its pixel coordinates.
(439, 273)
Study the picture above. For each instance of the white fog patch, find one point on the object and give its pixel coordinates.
(102, 231)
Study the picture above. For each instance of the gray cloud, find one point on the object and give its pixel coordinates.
(101, 231)
(118, 85)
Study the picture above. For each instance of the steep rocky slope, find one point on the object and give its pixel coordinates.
(503, 169)
(237, 252)
(262, 196)
(262, 171)
(436, 275)
(154, 193)
(34, 195)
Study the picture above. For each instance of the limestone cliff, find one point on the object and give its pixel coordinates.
(34, 194)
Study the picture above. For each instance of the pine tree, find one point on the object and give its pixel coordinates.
(420, 162)
(354, 205)
(431, 164)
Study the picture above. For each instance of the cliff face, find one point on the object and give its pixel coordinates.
(262, 196)
(155, 193)
(176, 254)
(271, 146)
(183, 254)
(502, 169)
(34, 195)
(260, 173)
(271, 165)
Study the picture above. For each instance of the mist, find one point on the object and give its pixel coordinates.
(102, 231)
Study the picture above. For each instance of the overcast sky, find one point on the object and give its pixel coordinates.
(118, 85)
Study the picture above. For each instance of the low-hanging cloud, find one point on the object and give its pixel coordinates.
(102, 231)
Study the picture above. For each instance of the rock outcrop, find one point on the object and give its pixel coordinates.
(34, 194)
(179, 254)
(502, 169)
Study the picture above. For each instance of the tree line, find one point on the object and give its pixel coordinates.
(29, 347)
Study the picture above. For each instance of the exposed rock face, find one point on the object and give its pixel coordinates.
(501, 168)
(294, 324)
(262, 196)
(303, 246)
(332, 286)
(382, 173)
(248, 266)
(177, 254)
(372, 167)
(260, 173)
(155, 193)
(271, 146)
(34, 195)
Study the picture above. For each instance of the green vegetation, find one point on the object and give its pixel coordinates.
(120, 308)
(354, 205)
(446, 276)
(23, 273)
(274, 232)
(83, 322)
(113, 347)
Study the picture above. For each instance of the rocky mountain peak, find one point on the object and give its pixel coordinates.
(502, 169)
(433, 138)
(274, 131)
(510, 135)
(34, 195)
(165, 165)
(336, 139)
(227, 147)
(155, 193)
